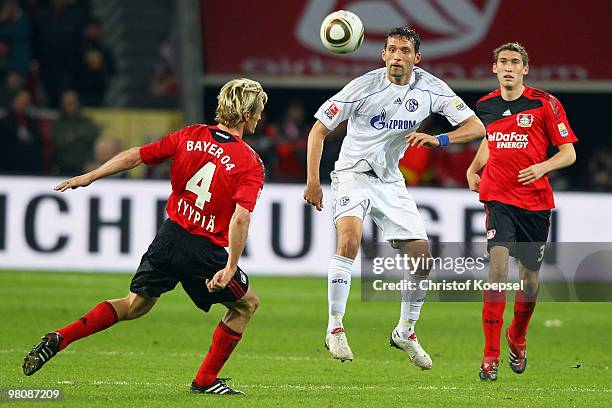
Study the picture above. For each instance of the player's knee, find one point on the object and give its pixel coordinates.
(423, 271)
(498, 266)
(419, 251)
(254, 304)
(348, 246)
(250, 305)
(530, 287)
(139, 308)
(426, 264)
(135, 314)
(498, 274)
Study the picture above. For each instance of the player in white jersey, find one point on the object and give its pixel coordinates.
(384, 109)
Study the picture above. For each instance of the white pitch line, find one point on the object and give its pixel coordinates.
(306, 387)
(419, 387)
(106, 382)
(117, 353)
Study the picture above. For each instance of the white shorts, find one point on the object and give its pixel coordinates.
(389, 204)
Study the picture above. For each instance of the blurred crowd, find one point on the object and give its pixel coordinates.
(49, 46)
(52, 62)
(64, 143)
(68, 143)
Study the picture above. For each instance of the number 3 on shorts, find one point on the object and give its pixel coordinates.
(199, 184)
(541, 253)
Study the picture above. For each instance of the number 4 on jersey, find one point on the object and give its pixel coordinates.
(199, 184)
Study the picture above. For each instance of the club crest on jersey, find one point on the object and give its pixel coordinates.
(458, 104)
(344, 200)
(412, 105)
(332, 111)
(491, 234)
(524, 119)
(562, 129)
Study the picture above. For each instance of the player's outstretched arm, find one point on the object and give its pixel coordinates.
(468, 130)
(238, 231)
(313, 193)
(482, 155)
(126, 160)
(566, 156)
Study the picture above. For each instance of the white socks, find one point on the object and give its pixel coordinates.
(412, 301)
(404, 327)
(338, 287)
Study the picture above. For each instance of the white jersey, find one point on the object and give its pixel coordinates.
(381, 114)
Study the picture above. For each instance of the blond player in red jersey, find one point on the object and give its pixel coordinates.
(522, 123)
(216, 180)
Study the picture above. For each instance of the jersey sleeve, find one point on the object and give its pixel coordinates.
(342, 105)
(556, 123)
(478, 111)
(163, 149)
(445, 102)
(249, 184)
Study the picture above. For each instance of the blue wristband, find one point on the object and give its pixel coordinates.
(443, 139)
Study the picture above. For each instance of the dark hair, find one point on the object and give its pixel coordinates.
(406, 32)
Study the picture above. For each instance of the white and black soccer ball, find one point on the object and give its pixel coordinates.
(342, 32)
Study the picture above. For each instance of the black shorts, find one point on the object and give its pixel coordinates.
(176, 256)
(523, 232)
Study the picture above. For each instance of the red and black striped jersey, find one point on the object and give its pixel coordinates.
(519, 134)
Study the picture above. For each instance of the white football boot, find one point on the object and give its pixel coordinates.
(336, 343)
(411, 346)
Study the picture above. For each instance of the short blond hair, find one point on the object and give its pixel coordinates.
(236, 98)
(511, 46)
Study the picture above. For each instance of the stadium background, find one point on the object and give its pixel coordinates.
(140, 69)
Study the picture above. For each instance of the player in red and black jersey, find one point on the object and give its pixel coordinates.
(522, 123)
(216, 180)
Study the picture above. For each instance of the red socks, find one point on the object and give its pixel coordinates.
(99, 318)
(493, 320)
(523, 309)
(223, 343)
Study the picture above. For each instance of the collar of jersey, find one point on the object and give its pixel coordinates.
(216, 129)
(526, 92)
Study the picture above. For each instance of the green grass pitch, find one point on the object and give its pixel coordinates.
(281, 360)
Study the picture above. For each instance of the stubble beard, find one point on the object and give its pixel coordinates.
(396, 73)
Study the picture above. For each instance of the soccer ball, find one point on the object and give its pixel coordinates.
(342, 32)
